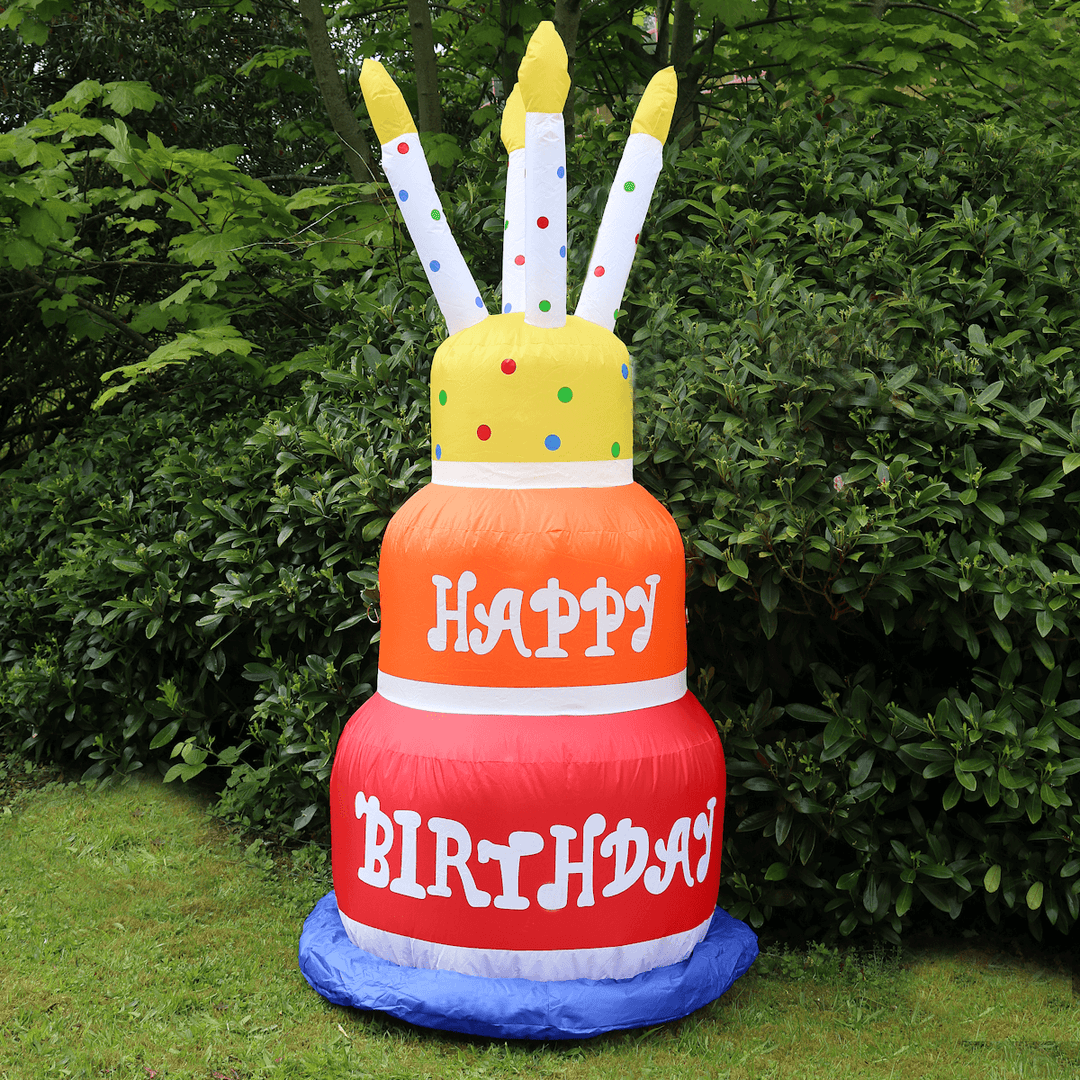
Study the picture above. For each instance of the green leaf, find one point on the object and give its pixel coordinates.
(770, 594)
(165, 735)
(374, 528)
(903, 901)
(991, 510)
(992, 879)
(1034, 896)
(123, 97)
(1000, 633)
(710, 549)
(738, 567)
(184, 771)
(1043, 651)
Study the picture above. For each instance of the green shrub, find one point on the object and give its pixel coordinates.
(852, 349)
(856, 396)
(205, 594)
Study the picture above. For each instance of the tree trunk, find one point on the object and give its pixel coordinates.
(567, 19)
(682, 51)
(335, 98)
(663, 33)
(510, 53)
(427, 74)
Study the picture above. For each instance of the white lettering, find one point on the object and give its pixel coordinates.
(454, 849)
(376, 870)
(561, 607)
(636, 601)
(445, 830)
(553, 895)
(405, 883)
(550, 600)
(596, 599)
(676, 852)
(505, 615)
(509, 857)
(619, 842)
(703, 831)
(436, 636)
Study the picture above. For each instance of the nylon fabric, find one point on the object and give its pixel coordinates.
(493, 541)
(520, 1008)
(544, 965)
(499, 393)
(656, 775)
(532, 701)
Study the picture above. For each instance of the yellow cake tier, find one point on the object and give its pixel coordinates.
(503, 391)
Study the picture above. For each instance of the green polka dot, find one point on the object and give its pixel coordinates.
(565, 394)
(442, 397)
(506, 224)
(628, 186)
(545, 305)
(435, 215)
(615, 449)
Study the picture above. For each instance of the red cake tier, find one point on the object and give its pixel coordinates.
(555, 847)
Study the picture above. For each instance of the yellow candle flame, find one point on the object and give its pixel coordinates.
(513, 122)
(654, 111)
(542, 76)
(386, 107)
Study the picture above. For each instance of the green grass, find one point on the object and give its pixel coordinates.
(138, 939)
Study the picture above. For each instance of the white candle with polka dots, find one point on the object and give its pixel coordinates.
(544, 85)
(628, 202)
(513, 137)
(407, 170)
(545, 221)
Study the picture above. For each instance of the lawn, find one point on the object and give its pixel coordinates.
(140, 939)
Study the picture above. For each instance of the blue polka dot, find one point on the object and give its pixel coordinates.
(438, 452)
(625, 372)
(560, 172)
(506, 308)
(403, 195)
(562, 251)
(434, 264)
(479, 302)
(553, 442)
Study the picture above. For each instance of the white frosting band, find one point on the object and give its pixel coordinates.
(533, 474)
(541, 965)
(532, 700)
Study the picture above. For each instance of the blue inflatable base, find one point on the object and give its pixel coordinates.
(521, 1008)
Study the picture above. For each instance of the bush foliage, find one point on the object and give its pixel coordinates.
(852, 342)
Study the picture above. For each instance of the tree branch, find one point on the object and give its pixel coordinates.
(928, 7)
(342, 118)
(100, 312)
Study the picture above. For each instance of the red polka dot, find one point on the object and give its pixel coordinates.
(519, 260)
(542, 223)
(508, 367)
(483, 433)
(402, 147)
(599, 271)
(637, 238)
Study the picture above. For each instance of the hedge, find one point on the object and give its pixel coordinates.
(852, 340)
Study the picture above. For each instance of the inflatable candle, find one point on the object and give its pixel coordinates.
(527, 816)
